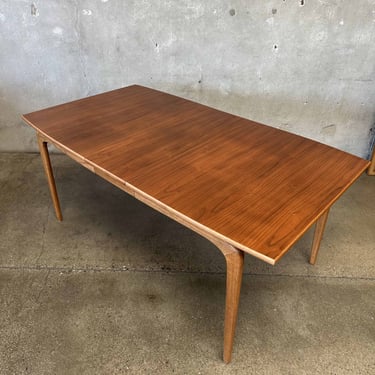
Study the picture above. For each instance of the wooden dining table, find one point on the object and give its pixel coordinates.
(246, 187)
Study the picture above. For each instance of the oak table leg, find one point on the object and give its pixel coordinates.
(318, 234)
(234, 259)
(49, 173)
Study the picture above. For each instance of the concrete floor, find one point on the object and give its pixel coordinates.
(117, 288)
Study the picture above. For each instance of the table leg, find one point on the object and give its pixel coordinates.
(49, 173)
(318, 234)
(234, 259)
(371, 168)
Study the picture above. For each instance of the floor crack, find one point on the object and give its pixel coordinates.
(143, 270)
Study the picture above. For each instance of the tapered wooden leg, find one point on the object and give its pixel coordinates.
(318, 234)
(371, 168)
(235, 260)
(49, 173)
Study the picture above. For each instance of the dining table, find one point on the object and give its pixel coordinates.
(247, 187)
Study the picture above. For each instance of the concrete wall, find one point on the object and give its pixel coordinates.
(304, 66)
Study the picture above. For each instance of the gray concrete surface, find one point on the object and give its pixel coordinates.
(304, 66)
(116, 288)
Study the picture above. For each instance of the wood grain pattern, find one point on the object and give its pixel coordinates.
(253, 186)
